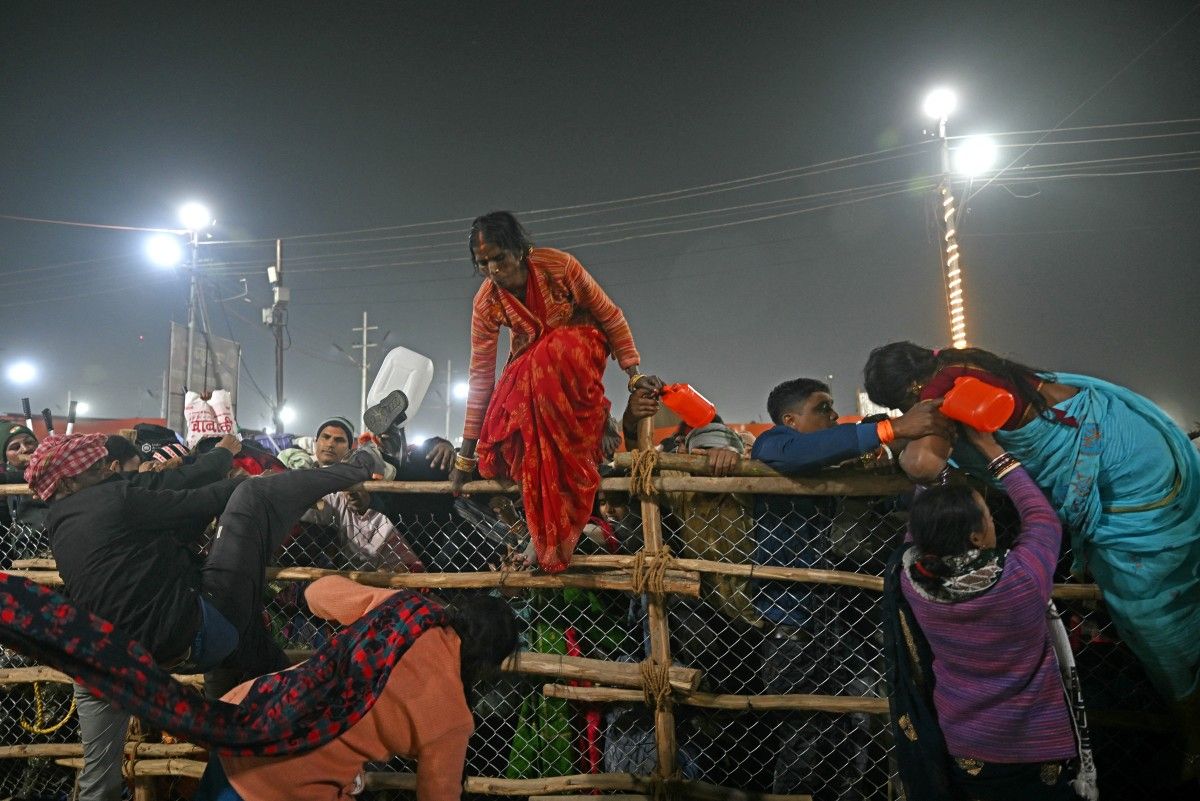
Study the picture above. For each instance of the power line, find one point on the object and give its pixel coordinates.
(92, 225)
(1090, 97)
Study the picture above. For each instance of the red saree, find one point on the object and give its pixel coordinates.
(544, 424)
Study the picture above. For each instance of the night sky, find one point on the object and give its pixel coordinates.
(399, 122)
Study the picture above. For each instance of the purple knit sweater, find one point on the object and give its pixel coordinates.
(998, 694)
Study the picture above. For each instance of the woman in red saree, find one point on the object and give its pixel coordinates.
(541, 424)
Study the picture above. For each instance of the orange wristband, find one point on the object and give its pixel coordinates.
(884, 429)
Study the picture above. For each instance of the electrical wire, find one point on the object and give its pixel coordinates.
(75, 224)
(1091, 97)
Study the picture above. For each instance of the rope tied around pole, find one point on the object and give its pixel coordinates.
(650, 579)
(40, 727)
(137, 737)
(666, 788)
(641, 472)
(129, 766)
(656, 684)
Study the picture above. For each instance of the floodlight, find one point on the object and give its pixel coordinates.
(164, 250)
(975, 156)
(195, 216)
(940, 103)
(21, 372)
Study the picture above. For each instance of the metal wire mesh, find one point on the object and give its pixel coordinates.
(747, 636)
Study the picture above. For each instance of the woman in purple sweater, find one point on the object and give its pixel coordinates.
(997, 688)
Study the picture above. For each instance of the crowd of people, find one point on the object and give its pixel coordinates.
(165, 540)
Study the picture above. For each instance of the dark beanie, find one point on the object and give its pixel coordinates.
(8, 430)
(340, 422)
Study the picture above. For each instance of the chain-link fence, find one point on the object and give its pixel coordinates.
(768, 651)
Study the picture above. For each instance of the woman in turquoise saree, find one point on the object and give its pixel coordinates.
(1124, 478)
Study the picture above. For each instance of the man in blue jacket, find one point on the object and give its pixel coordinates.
(801, 649)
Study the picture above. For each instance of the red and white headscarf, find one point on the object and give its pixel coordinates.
(62, 457)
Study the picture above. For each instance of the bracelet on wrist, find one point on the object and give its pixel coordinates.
(885, 431)
(634, 379)
(1008, 468)
(1002, 465)
(465, 464)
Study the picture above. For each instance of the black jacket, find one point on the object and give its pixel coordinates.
(207, 469)
(118, 560)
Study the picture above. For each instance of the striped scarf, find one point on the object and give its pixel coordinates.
(284, 713)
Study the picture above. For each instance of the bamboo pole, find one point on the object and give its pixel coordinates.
(680, 583)
(863, 482)
(579, 797)
(28, 675)
(660, 632)
(829, 482)
(742, 703)
(622, 674)
(191, 768)
(864, 581)
(802, 574)
(537, 788)
(156, 750)
(698, 790)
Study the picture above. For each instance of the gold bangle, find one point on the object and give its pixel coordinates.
(633, 379)
(465, 464)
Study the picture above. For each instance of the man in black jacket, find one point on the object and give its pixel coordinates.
(112, 542)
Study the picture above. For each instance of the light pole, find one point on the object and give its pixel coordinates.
(939, 104)
(195, 218)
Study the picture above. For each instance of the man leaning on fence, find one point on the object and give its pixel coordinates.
(801, 653)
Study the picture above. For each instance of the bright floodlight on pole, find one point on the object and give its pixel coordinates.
(287, 415)
(22, 372)
(82, 407)
(195, 216)
(164, 250)
(940, 103)
(460, 390)
(975, 156)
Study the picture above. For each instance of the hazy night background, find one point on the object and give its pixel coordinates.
(298, 120)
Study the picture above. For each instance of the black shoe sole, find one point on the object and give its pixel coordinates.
(387, 413)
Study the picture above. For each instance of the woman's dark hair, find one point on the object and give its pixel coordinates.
(488, 633)
(121, 449)
(941, 520)
(893, 369)
(502, 229)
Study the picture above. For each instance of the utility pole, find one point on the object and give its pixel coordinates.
(365, 364)
(193, 292)
(938, 105)
(276, 318)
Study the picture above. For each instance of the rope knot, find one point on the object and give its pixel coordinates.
(650, 579)
(641, 472)
(656, 684)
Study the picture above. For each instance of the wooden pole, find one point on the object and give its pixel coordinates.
(677, 582)
(151, 767)
(156, 750)
(828, 482)
(660, 632)
(536, 788)
(840, 704)
(620, 674)
(863, 581)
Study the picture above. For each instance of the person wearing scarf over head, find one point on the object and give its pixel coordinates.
(1123, 478)
(17, 444)
(997, 690)
(422, 713)
(112, 546)
(541, 425)
(398, 679)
